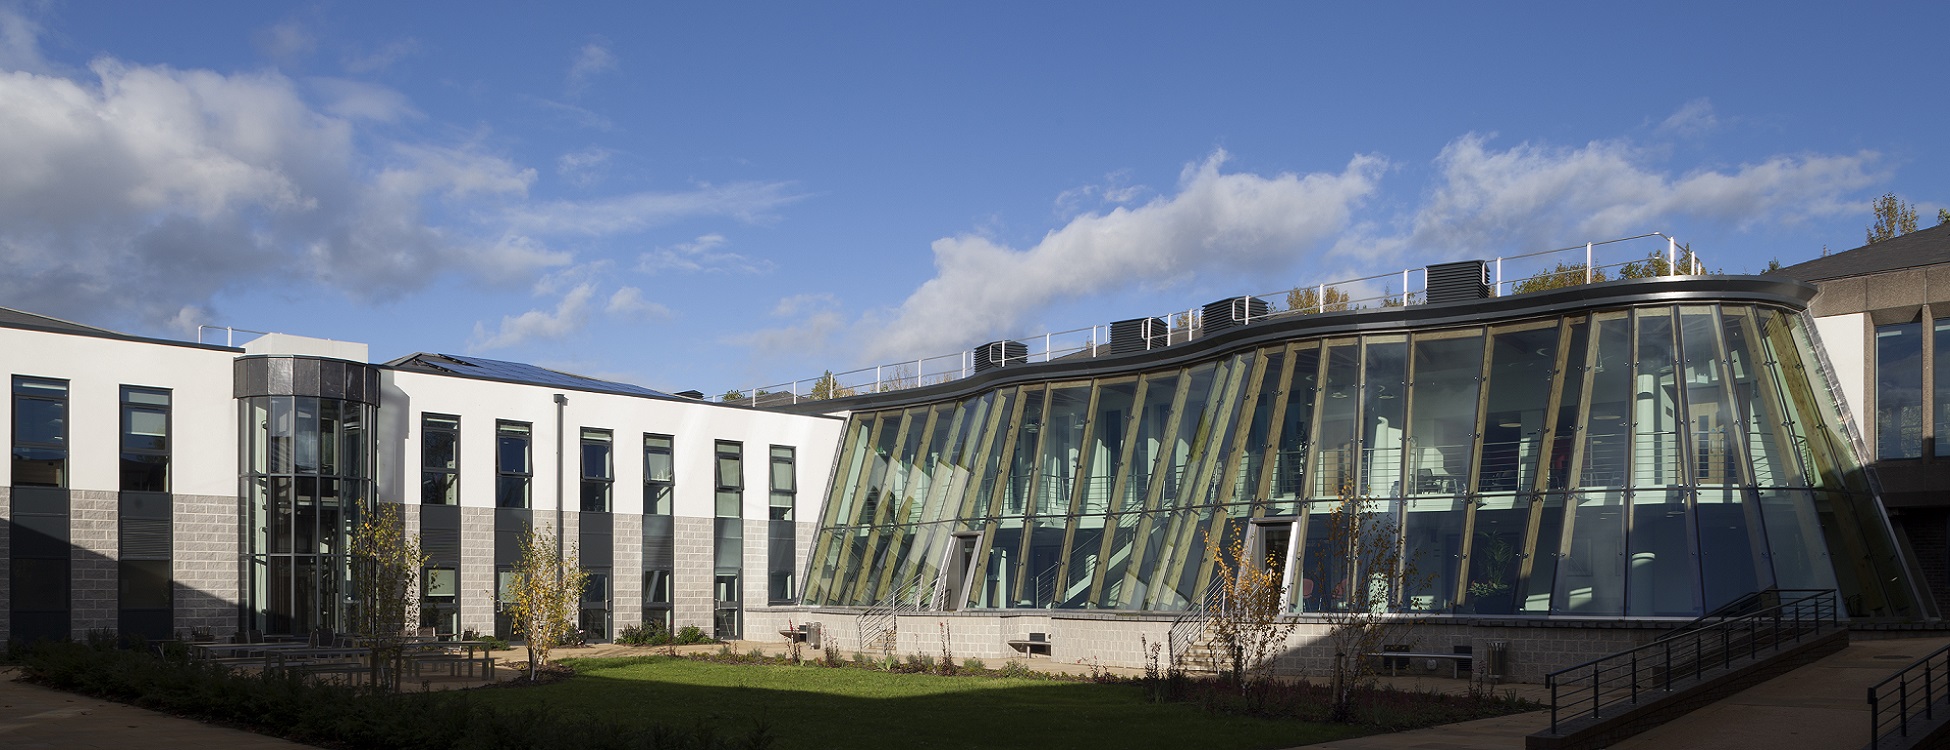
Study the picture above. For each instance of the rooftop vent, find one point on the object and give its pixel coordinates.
(697, 395)
(1232, 312)
(1459, 282)
(999, 353)
(1139, 334)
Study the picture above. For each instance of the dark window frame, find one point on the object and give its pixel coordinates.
(505, 478)
(733, 485)
(791, 492)
(451, 475)
(60, 446)
(128, 407)
(652, 484)
(597, 491)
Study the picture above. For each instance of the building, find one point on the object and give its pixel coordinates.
(1612, 456)
(162, 487)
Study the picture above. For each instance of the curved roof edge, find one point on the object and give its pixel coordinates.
(1769, 289)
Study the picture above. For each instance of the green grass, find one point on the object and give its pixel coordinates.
(814, 707)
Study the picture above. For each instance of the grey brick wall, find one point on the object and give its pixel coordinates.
(205, 563)
(477, 569)
(627, 608)
(691, 587)
(93, 579)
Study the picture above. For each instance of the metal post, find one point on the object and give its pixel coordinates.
(1594, 691)
(1635, 677)
(876, 378)
(1550, 681)
(1875, 719)
(1320, 299)
(1587, 262)
(1668, 666)
(1929, 691)
(1672, 256)
(1498, 289)
(1902, 705)
(917, 373)
(1404, 287)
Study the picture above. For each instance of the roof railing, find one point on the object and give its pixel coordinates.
(1588, 263)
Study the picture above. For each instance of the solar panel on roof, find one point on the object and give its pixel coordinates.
(516, 372)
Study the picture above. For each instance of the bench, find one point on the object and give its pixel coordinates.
(454, 662)
(1032, 645)
(1393, 660)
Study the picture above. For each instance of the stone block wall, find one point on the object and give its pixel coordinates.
(93, 580)
(205, 563)
(691, 572)
(626, 606)
(477, 569)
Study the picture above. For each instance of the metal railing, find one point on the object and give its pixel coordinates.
(1515, 274)
(1189, 627)
(1684, 657)
(1912, 693)
(879, 622)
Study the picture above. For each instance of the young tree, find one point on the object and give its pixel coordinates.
(1942, 216)
(544, 590)
(1894, 218)
(1655, 265)
(386, 565)
(828, 387)
(1364, 572)
(1244, 620)
(1563, 275)
(1309, 299)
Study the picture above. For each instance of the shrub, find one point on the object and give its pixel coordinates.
(1013, 668)
(974, 665)
(339, 716)
(691, 634)
(653, 634)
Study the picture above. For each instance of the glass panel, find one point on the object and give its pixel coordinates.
(1022, 461)
(1114, 594)
(1432, 530)
(595, 456)
(657, 458)
(1662, 573)
(1591, 579)
(1731, 542)
(1253, 453)
(1769, 455)
(512, 449)
(1523, 360)
(1062, 444)
(441, 583)
(1794, 541)
(1382, 422)
(1940, 380)
(1715, 428)
(1296, 432)
(1611, 397)
(1443, 396)
(438, 449)
(1148, 450)
(1115, 402)
(1334, 460)
(782, 475)
(1899, 391)
(1655, 420)
(1496, 556)
(306, 461)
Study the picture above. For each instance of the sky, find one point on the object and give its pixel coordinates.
(714, 196)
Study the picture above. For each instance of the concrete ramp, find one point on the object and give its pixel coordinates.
(1820, 706)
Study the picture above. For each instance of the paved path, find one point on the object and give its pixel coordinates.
(36, 717)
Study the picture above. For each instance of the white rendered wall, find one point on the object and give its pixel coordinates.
(1844, 337)
(203, 415)
(694, 427)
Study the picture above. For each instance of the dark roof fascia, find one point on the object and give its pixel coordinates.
(97, 333)
(402, 364)
(1923, 247)
(1766, 289)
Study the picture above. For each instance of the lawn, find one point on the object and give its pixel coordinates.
(816, 707)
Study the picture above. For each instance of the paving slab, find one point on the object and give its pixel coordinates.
(32, 716)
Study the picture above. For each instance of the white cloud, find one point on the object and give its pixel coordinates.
(1116, 190)
(381, 58)
(358, 100)
(802, 303)
(20, 47)
(1531, 196)
(1216, 221)
(583, 167)
(570, 315)
(700, 255)
(594, 58)
(628, 302)
(287, 42)
(744, 201)
(1695, 118)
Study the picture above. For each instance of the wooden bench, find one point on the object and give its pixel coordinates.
(1030, 646)
(454, 662)
(1393, 660)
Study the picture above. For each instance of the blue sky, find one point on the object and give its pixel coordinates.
(730, 195)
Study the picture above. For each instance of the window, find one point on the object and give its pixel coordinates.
(40, 432)
(439, 459)
(1899, 391)
(1941, 340)
(594, 621)
(659, 478)
(439, 600)
(512, 466)
(656, 600)
(731, 478)
(597, 471)
(145, 439)
(784, 483)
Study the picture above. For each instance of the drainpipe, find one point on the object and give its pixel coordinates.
(561, 404)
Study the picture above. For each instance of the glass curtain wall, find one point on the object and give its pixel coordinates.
(307, 473)
(1651, 461)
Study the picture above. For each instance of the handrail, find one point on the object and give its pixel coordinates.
(1378, 290)
(1742, 604)
(883, 616)
(1188, 625)
(1912, 696)
(1591, 688)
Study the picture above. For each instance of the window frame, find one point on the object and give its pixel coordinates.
(601, 486)
(506, 429)
(651, 484)
(129, 406)
(791, 492)
(62, 441)
(452, 475)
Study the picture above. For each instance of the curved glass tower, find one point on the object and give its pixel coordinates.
(306, 469)
(1647, 448)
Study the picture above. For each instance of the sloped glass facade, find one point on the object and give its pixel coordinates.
(1631, 460)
